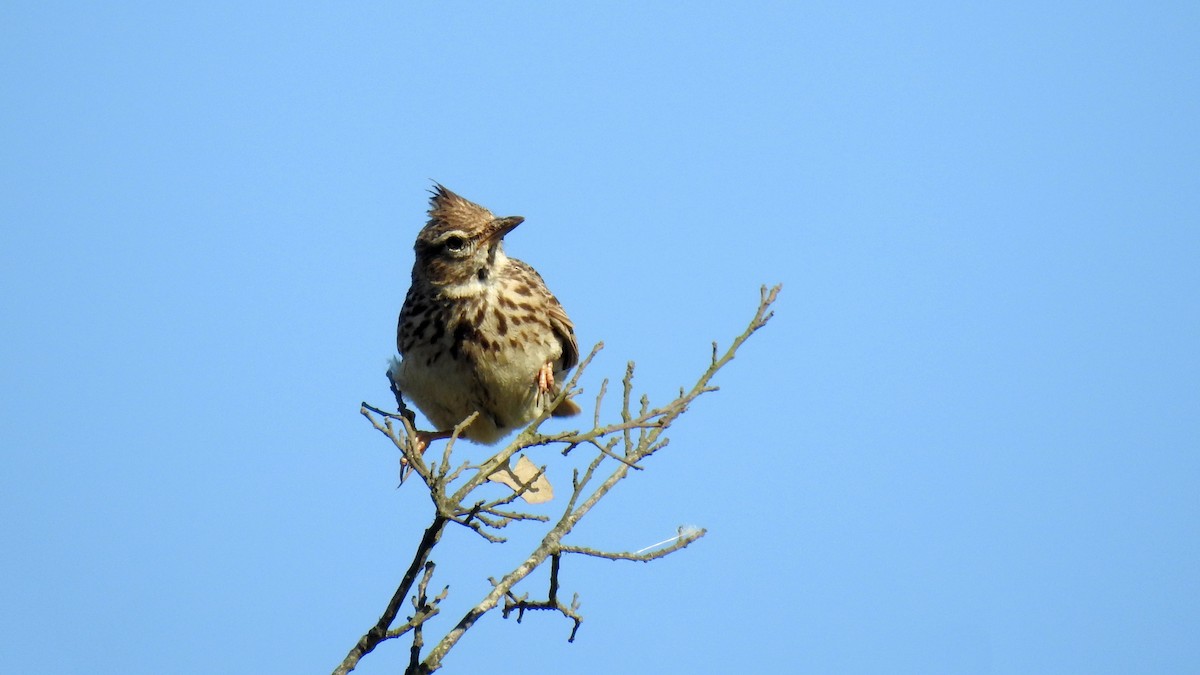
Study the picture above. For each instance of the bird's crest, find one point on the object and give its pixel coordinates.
(446, 207)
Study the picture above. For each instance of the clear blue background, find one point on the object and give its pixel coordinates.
(969, 441)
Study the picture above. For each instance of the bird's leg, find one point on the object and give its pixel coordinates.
(545, 379)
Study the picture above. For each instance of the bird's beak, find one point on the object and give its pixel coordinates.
(502, 226)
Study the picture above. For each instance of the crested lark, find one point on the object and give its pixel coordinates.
(479, 331)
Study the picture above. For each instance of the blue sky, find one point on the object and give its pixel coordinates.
(969, 441)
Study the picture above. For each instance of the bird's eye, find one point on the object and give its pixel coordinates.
(455, 243)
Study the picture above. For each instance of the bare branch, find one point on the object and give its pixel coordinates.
(378, 632)
(681, 541)
(520, 604)
(486, 517)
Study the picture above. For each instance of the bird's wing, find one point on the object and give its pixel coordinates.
(561, 324)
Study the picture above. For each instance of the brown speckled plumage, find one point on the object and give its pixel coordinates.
(479, 330)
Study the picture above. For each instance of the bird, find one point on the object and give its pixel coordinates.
(479, 331)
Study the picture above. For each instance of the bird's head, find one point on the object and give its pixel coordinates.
(461, 245)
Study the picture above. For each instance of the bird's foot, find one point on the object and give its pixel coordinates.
(545, 379)
(424, 438)
(421, 441)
